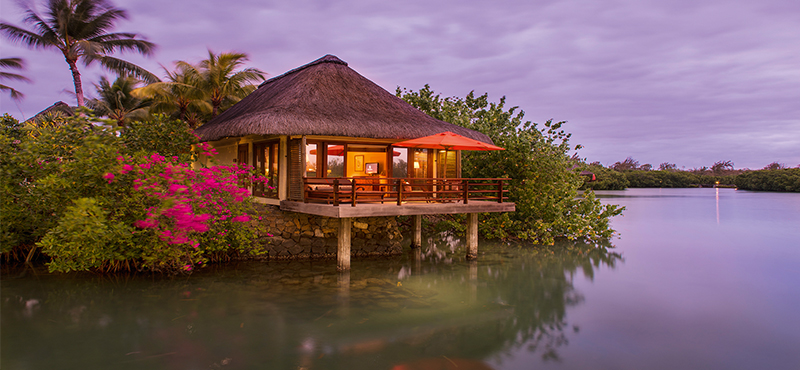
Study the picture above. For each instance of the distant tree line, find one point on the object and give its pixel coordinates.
(630, 174)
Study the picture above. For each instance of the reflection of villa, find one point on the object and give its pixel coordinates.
(322, 134)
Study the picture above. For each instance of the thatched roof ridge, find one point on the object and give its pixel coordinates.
(328, 58)
(58, 108)
(326, 97)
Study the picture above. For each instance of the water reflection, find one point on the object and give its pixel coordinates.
(427, 308)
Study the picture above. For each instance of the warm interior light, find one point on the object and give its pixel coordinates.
(416, 165)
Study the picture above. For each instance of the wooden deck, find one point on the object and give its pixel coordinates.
(344, 198)
(354, 191)
(392, 209)
(347, 197)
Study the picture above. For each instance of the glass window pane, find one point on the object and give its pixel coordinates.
(335, 163)
(446, 164)
(399, 162)
(420, 163)
(311, 160)
(272, 185)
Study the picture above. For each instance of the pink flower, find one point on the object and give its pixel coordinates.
(146, 224)
(242, 218)
(109, 176)
(187, 267)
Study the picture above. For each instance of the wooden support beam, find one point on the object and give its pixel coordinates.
(343, 252)
(344, 293)
(472, 236)
(417, 242)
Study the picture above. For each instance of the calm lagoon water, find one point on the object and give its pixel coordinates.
(699, 279)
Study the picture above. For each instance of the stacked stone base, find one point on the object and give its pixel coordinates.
(297, 235)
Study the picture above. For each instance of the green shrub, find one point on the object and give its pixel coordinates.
(543, 184)
(784, 180)
(80, 191)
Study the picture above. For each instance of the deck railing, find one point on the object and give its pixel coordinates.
(360, 190)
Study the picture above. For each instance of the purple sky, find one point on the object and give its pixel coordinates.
(686, 82)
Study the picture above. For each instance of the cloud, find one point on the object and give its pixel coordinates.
(682, 81)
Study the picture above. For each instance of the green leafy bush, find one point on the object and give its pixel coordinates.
(543, 184)
(84, 194)
(606, 179)
(787, 179)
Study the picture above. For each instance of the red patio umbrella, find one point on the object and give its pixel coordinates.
(447, 141)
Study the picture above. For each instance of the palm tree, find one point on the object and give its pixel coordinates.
(219, 79)
(179, 95)
(12, 63)
(116, 101)
(213, 85)
(79, 29)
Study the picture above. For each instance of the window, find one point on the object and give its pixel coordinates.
(334, 166)
(311, 160)
(400, 162)
(265, 161)
(446, 164)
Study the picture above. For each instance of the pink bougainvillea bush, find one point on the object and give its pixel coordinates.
(107, 201)
(195, 213)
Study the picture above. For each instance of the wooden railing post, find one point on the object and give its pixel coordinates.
(499, 191)
(353, 191)
(305, 190)
(336, 192)
(465, 184)
(399, 191)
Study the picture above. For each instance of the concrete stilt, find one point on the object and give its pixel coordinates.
(472, 236)
(343, 252)
(417, 242)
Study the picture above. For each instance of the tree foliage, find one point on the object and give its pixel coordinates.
(225, 85)
(177, 96)
(80, 30)
(543, 184)
(196, 92)
(90, 197)
(784, 179)
(15, 64)
(606, 179)
(116, 101)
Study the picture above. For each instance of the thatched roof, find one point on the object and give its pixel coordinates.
(58, 109)
(326, 97)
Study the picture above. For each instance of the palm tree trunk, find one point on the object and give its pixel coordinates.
(76, 78)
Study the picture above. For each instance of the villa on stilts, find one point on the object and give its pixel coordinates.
(344, 157)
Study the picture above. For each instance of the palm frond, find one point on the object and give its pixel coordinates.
(102, 22)
(143, 47)
(13, 63)
(45, 29)
(15, 94)
(124, 67)
(23, 36)
(13, 76)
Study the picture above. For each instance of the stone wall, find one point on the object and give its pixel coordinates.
(298, 235)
